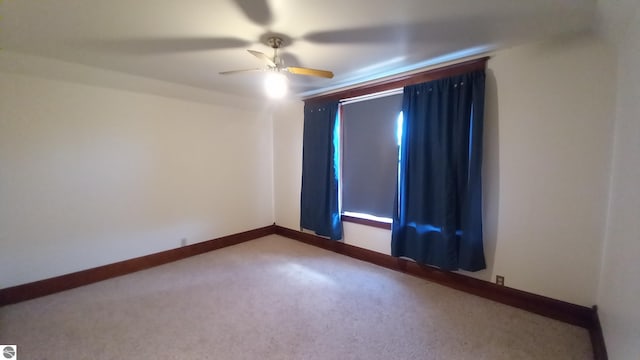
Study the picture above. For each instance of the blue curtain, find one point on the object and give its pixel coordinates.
(319, 209)
(438, 212)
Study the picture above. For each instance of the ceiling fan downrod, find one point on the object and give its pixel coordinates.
(275, 43)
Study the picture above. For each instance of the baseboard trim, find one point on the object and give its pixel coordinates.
(597, 337)
(556, 309)
(56, 284)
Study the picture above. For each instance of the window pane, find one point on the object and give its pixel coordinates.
(370, 155)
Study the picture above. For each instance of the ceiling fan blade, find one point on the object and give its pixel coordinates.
(165, 45)
(431, 31)
(262, 56)
(257, 11)
(310, 72)
(238, 71)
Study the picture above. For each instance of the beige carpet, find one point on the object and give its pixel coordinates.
(275, 298)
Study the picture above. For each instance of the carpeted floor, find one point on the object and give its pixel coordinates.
(275, 298)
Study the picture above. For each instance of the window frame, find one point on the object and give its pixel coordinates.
(367, 222)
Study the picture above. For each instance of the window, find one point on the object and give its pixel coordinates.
(369, 93)
(370, 141)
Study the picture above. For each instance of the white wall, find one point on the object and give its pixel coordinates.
(619, 289)
(547, 146)
(287, 162)
(92, 175)
(554, 102)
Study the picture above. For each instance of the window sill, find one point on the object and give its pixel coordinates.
(367, 222)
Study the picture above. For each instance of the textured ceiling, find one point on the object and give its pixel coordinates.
(189, 41)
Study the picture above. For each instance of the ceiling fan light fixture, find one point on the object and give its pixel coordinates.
(276, 85)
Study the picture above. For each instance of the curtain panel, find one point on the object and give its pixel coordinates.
(319, 203)
(438, 211)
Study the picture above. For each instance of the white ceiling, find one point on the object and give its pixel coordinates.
(189, 41)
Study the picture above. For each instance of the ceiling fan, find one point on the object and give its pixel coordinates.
(276, 64)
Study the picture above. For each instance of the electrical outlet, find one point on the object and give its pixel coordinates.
(500, 280)
(183, 242)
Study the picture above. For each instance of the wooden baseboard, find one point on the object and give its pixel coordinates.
(597, 337)
(56, 284)
(559, 310)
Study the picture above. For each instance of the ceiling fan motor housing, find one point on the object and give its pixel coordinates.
(275, 42)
